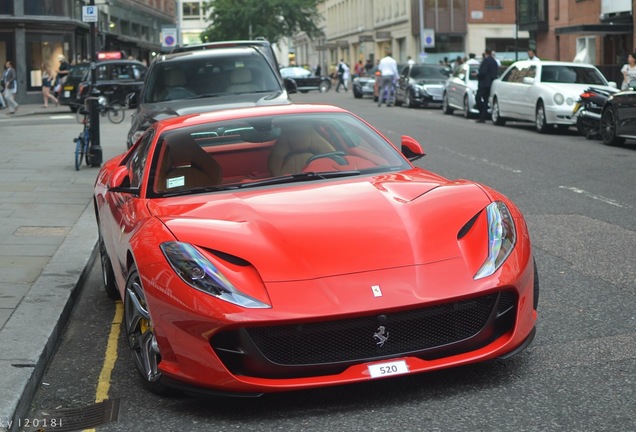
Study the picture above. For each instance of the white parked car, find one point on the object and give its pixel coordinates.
(543, 92)
(460, 90)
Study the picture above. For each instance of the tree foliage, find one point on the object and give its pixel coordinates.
(271, 19)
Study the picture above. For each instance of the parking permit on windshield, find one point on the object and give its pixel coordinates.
(175, 182)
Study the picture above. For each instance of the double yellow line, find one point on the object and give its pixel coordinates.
(103, 384)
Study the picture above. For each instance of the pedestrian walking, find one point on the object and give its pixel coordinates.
(10, 87)
(629, 71)
(62, 74)
(47, 83)
(388, 73)
(342, 68)
(488, 71)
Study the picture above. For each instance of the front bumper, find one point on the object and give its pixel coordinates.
(315, 335)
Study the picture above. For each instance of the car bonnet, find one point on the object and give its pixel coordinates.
(328, 228)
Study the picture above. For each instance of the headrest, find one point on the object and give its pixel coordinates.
(241, 76)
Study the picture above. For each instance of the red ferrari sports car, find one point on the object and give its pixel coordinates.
(289, 247)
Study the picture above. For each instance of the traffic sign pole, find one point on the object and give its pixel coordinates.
(95, 149)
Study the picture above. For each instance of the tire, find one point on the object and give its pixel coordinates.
(446, 108)
(140, 335)
(608, 128)
(408, 100)
(79, 152)
(324, 86)
(108, 275)
(116, 113)
(540, 122)
(467, 113)
(496, 114)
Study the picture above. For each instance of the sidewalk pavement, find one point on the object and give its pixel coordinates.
(48, 239)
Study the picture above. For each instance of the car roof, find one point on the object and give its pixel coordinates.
(553, 63)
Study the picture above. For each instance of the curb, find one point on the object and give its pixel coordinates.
(30, 336)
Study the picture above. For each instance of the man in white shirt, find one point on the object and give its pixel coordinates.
(532, 56)
(389, 73)
(472, 60)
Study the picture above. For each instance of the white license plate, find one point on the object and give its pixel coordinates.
(379, 370)
(67, 94)
(437, 98)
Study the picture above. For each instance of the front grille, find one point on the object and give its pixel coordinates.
(435, 91)
(304, 349)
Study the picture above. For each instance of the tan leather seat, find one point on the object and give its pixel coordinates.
(186, 165)
(241, 80)
(295, 145)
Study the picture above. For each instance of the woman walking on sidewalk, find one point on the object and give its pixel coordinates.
(10, 87)
(47, 82)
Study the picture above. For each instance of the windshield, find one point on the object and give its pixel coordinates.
(423, 72)
(268, 150)
(571, 75)
(189, 78)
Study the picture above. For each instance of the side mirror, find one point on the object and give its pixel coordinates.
(131, 100)
(290, 85)
(411, 148)
(528, 80)
(120, 181)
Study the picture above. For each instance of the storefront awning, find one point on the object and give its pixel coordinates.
(608, 28)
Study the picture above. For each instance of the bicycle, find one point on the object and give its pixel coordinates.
(115, 112)
(83, 142)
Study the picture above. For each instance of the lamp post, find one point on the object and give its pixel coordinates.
(95, 149)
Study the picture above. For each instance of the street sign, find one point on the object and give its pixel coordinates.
(168, 36)
(428, 38)
(89, 14)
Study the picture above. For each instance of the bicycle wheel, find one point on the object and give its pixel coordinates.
(79, 152)
(87, 144)
(116, 113)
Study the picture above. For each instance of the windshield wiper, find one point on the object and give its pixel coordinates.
(300, 177)
(199, 189)
(207, 95)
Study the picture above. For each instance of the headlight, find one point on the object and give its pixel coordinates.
(502, 237)
(198, 272)
(558, 99)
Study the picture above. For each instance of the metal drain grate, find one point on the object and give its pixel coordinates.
(74, 419)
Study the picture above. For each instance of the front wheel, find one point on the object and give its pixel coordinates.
(79, 152)
(116, 113)
(541, 122)
(608, 128)
(140, 334)
(324, 86)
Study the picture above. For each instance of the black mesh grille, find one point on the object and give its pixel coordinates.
(306, 349)
(350, 339)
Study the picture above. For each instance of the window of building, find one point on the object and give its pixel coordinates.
(43, 48)
(192, 10)
(45, 7)
(494, 4)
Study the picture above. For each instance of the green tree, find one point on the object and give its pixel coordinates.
(271, 19)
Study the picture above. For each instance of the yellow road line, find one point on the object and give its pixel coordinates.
(110, 357)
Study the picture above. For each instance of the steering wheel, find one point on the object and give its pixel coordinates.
(335, 155)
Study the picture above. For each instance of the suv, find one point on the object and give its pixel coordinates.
(208, 77)
(114, 79)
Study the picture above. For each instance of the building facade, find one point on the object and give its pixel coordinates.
(33, 32)
(364, 29)
(600, 32)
